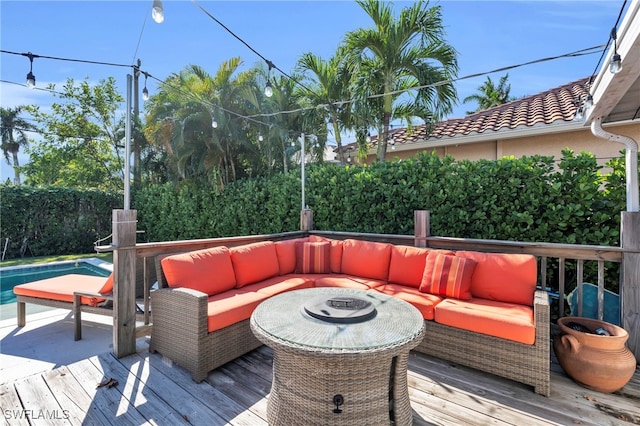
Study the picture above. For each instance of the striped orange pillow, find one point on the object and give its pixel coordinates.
(313, 258)
(447, 275)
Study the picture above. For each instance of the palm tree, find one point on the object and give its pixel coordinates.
(489, 95)
(14, 135)
(399, 54)
(329, 84)
(187, 117)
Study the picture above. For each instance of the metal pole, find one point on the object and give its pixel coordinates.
(127, 147)
(302, 170)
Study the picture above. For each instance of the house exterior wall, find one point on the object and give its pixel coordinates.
(544, 144)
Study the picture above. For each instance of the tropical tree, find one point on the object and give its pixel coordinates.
(489, 95)
(14, 135)
(193, 118)
(81, 146)
(329, 83)
(398, 54)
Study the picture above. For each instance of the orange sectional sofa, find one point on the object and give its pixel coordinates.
(481, 310)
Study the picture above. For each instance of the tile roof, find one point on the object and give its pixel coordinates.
(544, 108)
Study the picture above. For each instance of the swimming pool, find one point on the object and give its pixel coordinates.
(14, 275)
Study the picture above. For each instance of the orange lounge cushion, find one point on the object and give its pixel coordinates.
(510, 321)
(286, 251)
(424, 302)
(254, 262)
(107, 288)
(336, 251)
(62, 288)
(231, 307)
(407, 265)
(503, 277)
(209, 271)
(366, 259)
(313, 258)
(280, 284)
(347, 281)
(448, 275)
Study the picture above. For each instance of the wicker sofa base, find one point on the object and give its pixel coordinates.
(180, 333)
(528, 364)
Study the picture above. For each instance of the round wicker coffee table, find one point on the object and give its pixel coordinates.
(338, 371)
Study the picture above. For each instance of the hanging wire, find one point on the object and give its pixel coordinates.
(135, 53)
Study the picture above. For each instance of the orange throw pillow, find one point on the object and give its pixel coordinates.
(313, 258)
(209, 271)
(448, 275)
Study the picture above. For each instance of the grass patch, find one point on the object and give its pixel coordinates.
(107, 257)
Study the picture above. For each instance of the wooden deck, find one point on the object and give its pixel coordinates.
(151, 390)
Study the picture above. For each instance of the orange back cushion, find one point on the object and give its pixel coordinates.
(313, 258)
(335, 252)
(108, 285)
(254, 262)
(366, 259)
(503, 277)
(448, 275)
(209, 270)
(407, 265)
(286, 251)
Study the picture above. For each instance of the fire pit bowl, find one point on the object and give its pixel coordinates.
(340, 309)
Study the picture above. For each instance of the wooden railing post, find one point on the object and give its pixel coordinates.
(306, 220)
(124, 287)
(630, 288)
(421, 227)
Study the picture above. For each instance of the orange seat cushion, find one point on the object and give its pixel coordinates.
(254, 262)
(209, 271)
(347, 281)
(62, 288)
(407, 265)
(231, 307)
(424, 302)
(313, 258)
(366, 259)
(286, 252)
(107, 288)
(448, 275)
(280, 284)
(503, 277)
(335, 252)
(509, 321)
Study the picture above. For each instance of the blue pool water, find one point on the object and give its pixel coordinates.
(12, 276)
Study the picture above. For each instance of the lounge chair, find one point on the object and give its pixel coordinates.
(81, 293)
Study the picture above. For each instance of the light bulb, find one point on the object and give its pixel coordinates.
(268, 90)
(616, 64)
(158, 11)
(31, 80)
(145, 94)
(260, 138)
(214, 123)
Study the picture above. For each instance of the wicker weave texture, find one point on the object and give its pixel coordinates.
(306, 379)
(180, 333)
(528, 364)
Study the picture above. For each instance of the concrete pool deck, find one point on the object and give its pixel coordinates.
(46, 342)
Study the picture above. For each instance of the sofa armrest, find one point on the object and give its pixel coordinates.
(179, 313)
(542, 315)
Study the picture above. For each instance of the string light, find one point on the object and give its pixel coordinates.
(214, 123)
(157, 12)
(268, 90)
(31, 79)
(616, 61)
(145, 91)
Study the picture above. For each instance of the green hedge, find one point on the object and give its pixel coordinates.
(53, 221)
(525, 199)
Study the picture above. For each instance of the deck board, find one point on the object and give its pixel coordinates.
(152, 390)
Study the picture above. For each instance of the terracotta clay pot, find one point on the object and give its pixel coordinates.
(600, 363)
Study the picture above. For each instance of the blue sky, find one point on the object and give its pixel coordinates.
(487, 35)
